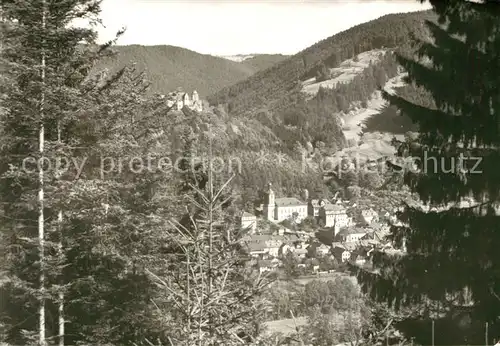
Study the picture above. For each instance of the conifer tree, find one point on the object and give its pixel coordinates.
(42, 63)
(115, 221)
(112, 221)
(212, 297)
(452, 250)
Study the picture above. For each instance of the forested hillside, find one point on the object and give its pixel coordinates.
(260, 62)
(169, 67)
(272, 87)
(249, 149)
(312, 124)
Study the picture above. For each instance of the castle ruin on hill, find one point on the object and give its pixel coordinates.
(178, 99)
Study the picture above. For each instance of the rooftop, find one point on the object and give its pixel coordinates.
(335, 208)
(288, 201)
(255, 238)
(376, 226)
(352, 230)
(350, 246)
(368, 242)
(318, 245)
(256, 246)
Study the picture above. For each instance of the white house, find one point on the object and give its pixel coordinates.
(334, 215)
(318, 249)
(355, 236)
(263, 245)
(249, 221)
(351, 235)
(313, 207)
(369, 216)
(266, 266)
(256, 249)
(341, 254)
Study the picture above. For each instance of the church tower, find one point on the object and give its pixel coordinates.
(197, 105)
(269, 203)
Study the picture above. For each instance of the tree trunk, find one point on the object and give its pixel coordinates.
(60, 255)
(41, 237)
(61, 293)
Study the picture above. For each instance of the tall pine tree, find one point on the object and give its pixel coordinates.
(112, 221)
(43, 63)
(452, 250)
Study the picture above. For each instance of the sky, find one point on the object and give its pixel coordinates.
(230, 27)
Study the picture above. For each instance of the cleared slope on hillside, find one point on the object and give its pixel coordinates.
(370, 144)
(236, 58)
(346, 72)
(369, 130)
(276, 83)
(169, 67)
(356, 121)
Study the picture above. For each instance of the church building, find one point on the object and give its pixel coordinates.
(280, 209)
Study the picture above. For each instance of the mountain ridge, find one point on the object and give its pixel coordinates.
(169, 67)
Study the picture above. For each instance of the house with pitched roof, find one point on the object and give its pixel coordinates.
(379, 232)
(263, 245)
(266, 266)
(249, 221)
(368, 216)
(318, 249)
(334, 215)
(341, 254)
(351, 235)
(256, 249)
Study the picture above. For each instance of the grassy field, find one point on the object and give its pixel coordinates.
(306, 279)
(373, 128)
